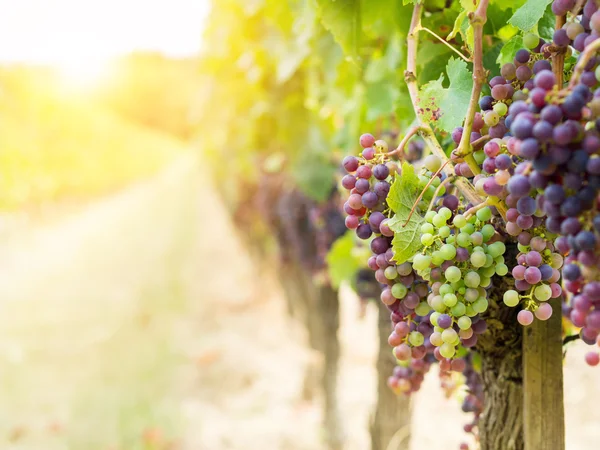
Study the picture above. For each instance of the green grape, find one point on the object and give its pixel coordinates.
(471, 311)
(430, 192)
(437, 303)
(501, 108)
(434, 318)
(444, 231)
(484, 214)
(597, 73)
(422, 309)
(487, 231)
(511, 298)
(464, 323)
(481, 305)
(479, 156)
(390, 272)
(432, 163)
(445, 213)
(496, 249)
(472, 279)
(436, 339)
(477, 238)
(399, 290)
(478, 259)
(442, 191)
(463, 239)
(439, 221)
(469, 228)
(427, 239)
(450, 300)
(448, 251)
(501, 269)
(449, 335)
(451, 239)
(491, 118)
(556, 261)
(447, 350)
(462, 290)
(452, 274)
(523, 248)
(429, 216)
(436, 182)
(459, 221)
(471, 295)
(427, 228)
(487, 271)
(416, 338)
(421, 262)
(485, 282)
(489, 261)
(459, 309)
(499, 260)
(437, 259)
(531, 40)
(446, 289)
(542, 292)
(423, 180)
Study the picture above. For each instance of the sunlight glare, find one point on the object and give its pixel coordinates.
(83, 73)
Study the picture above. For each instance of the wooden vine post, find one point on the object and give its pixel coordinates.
(543, 383)
(523, 378)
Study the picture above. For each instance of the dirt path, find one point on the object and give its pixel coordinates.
(139, 323)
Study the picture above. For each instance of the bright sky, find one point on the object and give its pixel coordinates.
(60, 32)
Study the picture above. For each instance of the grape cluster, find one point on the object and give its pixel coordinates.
(459, 258)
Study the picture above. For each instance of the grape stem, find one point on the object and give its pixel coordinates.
(438, 189)
(477, 19)
(443, 41)
(482, 139)
(585, 57)
(427, 133)
(433, 177)
(469, 213)
(577, 8)
(558, 58)
(399, 151)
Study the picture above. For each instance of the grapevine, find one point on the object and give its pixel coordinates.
(522, 171)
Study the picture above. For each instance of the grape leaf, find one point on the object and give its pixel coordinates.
(546, 24)
(402, 197)
(508, 51)
(382, 97)
(342, 19)
(446, 107)
(528, 15)
(341, 262)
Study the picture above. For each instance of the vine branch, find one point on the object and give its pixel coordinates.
(558, 58)
(400, 149)
(427, 133)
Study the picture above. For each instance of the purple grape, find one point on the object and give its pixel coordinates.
(518, 186)
(542, 130)
(561, 38)
(370, 200)
(551, 114)
(586, 240)
(485, 103)
(379, 245)
(444, 321)
(364, 231)
(526, 206)
(539, 66)
(522, 56)
(381, 171)
(571, 272)
(349, 181)
(533, 275)
(521, 128)
(361, 185)
(350, 163)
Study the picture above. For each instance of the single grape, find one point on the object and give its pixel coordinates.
(367, 140)
(525, 317)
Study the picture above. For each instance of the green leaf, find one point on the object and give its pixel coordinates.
(402, 197)
(341, 262)
(490, 55)
(381, 99)
(508, 51)
(546, 24)
(528, 15)
(342, 19)
(446, 107)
